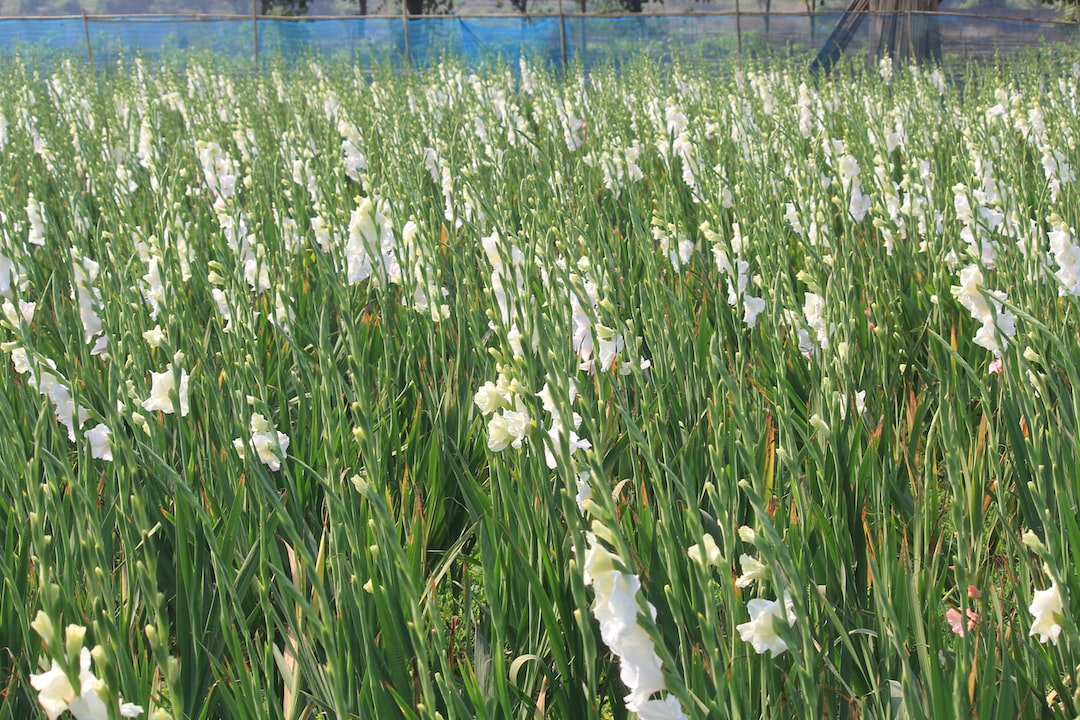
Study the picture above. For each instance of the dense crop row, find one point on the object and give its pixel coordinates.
(517, 395)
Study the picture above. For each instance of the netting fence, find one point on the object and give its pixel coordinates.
(587, 39)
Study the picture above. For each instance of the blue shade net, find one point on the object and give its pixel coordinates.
(154, 36)
(586, 40)
(125, 36)
(365, 41)
(478, 39)
(601, 40)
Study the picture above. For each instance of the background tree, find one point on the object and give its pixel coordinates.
(430, 7)
(631, 6)
(283, 7)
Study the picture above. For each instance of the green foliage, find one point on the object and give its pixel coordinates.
(350, 261)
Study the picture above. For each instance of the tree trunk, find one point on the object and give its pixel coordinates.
(905, 29)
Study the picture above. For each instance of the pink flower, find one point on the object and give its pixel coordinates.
(956, 620)
(996, 366)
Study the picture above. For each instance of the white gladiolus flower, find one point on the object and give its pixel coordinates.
(154, 336)
(752, 569)
(256, 271)
(792, 216)
(55, 691)
(153, 290)
(498, 435)
(610, 344)
(1032, 542)
(812, 308)
(100, 446)
(219, 170)
(9, 271)
(52, 386)
(283, 316)
(557, 432)
(860, 402)
(849, 169)
(584, 490)
(130, 710)
(162, 385)
(675, 119)
(816, 334)
(752, 307)
(997, 323)
(25, 312)
(573, 126)
(222, 302)
(967, 292)
(67, 413)
(599, 561)
(736, 288)
(760, 630)
(885, 68)
(1048, 609)
(269, 444)
(324, 235)
(145, 151)
(488, 398)
(37, 221)
(363, 241)
(640, 668)
(20, 360)
(354, 159)
(513, 338)
(937, 79)
(88, 297)
(57, 696)
(706, 553)
(860, 202)
(507, 429)
(666, 709)
(616, 608)
(684, 148)
(1066, 255)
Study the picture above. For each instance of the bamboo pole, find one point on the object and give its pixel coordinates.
(86, 33)
(217, 17)
(913, 50)
(255, 31)
(405, 19)
(738, 29)
(562, 36)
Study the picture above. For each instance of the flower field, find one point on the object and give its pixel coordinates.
(660, 393)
